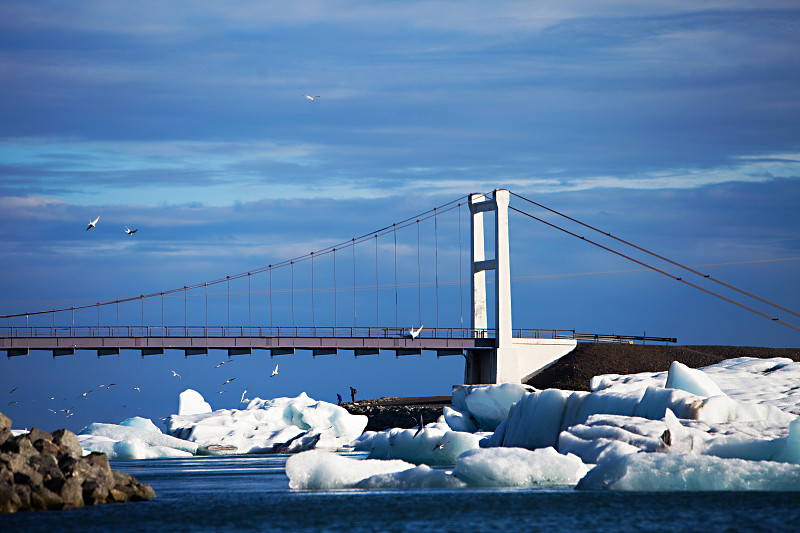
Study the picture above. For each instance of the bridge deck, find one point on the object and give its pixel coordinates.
(107, 340)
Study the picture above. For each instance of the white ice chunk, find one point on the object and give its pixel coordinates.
(282, 425)
(127, 433)
(458, 421)
(690, 472)
(518, 467)
(419, 477)
(316, 469)
(141, 423)
(191, 402)
(691, 380)
(430, 446)
(488, 404)
(790, 449)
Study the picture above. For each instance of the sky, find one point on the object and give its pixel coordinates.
(673, 125)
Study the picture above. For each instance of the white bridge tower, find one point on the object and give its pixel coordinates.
(513, 360)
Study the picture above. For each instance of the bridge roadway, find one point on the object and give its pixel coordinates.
(194, 340)
(150, 340)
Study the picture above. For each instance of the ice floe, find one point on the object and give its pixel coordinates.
(501, 467)
(282, 425)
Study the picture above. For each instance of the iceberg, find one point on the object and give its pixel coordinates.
(317, 469)
(690, 472)
(518, 467)
(279, 425)
(133, 441)
(431, 445)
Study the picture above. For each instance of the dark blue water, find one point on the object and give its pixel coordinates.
(252, 494)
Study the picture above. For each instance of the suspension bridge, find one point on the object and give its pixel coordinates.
(337, 280)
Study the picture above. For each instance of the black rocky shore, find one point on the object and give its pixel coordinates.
(571, 372)
(42, 471)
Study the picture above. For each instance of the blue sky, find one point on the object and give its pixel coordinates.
(671, 124)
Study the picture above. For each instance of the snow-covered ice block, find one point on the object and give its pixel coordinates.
(488, 404)
(518, 467)
(279, 425)
(458, 421)
(119, 433)
(141, 423)
(317, 469)
(431, 446)
(691, 380)
(690, 472)
(191, 402)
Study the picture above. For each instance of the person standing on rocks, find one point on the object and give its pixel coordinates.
(339, 398)
(353, 394)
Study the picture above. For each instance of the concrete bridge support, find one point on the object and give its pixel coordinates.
(512, 360)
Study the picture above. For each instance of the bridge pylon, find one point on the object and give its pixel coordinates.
(513, 360)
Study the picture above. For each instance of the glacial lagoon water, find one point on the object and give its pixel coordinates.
(251, 493)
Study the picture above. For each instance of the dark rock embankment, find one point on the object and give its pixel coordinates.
(41, 471)
(576, 369)
(385, 413)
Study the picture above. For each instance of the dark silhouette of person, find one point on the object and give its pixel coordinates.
(339, 398)
(353, 393)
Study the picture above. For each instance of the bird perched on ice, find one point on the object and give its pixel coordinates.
(130, 231)
(243, 400)
(274, 372)
(176, 374)
(92, 223)
(421, 426)
(414, 333)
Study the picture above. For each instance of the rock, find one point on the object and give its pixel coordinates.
(42, 471)
(68, 442)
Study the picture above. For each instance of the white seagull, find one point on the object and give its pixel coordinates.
(176, 374)
(92, 223)
(130, 231)
(228, 381)
(243, 398)
(274, 372)
(310, 97)
(415, 333)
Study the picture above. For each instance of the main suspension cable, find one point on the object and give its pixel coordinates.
(734, 302)
(693, 271)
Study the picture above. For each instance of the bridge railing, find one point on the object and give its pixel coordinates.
(275, 332)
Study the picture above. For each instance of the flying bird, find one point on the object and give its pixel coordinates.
(137, 389)
(228, 381)
(130, 231)
(221, 363)
(12, 403)
(415, 333)
(311, 98)
(274, 372)
(92, 223)
(12, 390)
(438, 446)
(176, 374)
(85, 394)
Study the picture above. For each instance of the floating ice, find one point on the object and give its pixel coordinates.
(317, 469)
(432, 445)
(690, 472)
(691, 380)
(487, 405)
(279, 425)
(191, 402)
(128, 442)
(518, 467)
(141, 423)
